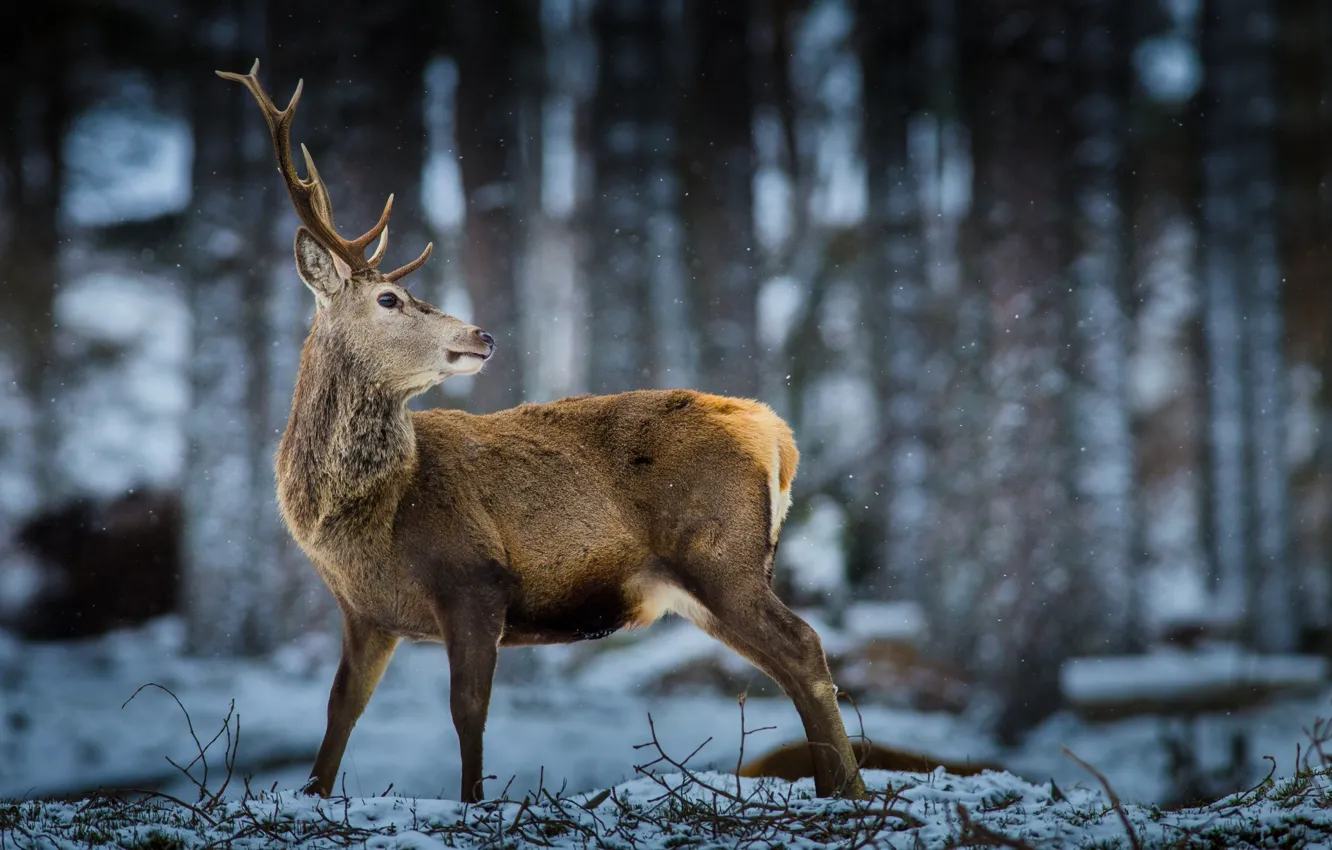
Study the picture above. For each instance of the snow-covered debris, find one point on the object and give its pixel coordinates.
(1195, 677)
(697, 810)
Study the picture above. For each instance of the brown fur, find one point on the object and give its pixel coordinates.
(545, 523)
(792, 761)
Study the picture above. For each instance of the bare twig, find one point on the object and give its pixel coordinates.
(209, 800)
(1320, 735)
(1240, 800)
(1114, 799)
(744, 734)
(692, 779)
(229, 755)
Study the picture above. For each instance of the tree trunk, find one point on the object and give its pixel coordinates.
(899, 502)
(36, 116)
(1103, 463)
(1037, 606)
(231, 583)
(1272, 621)
(1305, 215)
(717, 170)
(555, 297)
(1243, 288)
(957, 584)
(632, 146)
(1166, 383)
(490, 47)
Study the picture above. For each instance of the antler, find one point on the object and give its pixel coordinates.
(310, 196)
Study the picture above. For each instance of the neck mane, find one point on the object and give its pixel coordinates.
(348, 452)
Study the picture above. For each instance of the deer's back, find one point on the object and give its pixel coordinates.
(585, 505)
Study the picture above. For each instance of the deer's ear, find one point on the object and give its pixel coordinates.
(317, 267)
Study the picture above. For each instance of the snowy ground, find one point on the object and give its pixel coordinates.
(63, 728)
(697, 809)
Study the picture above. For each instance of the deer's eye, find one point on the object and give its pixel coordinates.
(388, 300)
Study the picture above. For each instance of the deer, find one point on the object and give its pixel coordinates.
(545, 523)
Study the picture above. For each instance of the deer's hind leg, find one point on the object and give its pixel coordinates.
(366, 650)
(739, 609)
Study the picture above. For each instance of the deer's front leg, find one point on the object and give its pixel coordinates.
(472, 637)
(366, 650)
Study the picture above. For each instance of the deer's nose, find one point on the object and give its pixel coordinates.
(487, 339)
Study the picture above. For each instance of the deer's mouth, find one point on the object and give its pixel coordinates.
(468, 360)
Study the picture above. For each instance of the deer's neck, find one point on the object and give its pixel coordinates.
(348, 453)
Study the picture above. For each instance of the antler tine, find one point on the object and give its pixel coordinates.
(398, 274)
(373, 233)
(357, 245)
(251, 82)
(323, 205)
(380, 248)
(310, 196)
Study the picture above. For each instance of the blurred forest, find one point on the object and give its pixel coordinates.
(1044, 288)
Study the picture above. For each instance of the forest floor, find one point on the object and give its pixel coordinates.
(582, 759)
(671, 806)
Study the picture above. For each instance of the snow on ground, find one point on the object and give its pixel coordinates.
(63, 728)
(704, 809)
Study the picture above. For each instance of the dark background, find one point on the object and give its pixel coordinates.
(1042, 287)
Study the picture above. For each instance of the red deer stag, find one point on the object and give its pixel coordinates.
(545, 523)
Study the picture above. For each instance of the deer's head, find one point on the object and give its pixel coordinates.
(404, 343)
